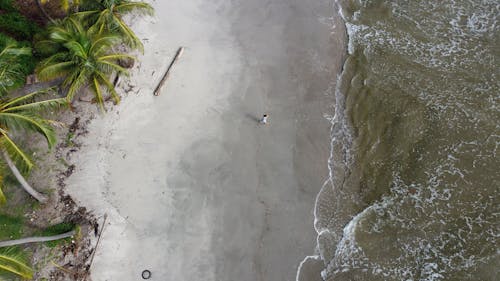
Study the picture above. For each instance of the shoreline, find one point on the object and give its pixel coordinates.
(191, 172)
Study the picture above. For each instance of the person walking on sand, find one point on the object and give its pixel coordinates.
(263, 120)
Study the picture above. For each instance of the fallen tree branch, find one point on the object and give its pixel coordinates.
(165, 76)
(97, 244)
(62, 268)
(36, 239)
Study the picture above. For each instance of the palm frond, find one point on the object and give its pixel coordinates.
(138, 7)
(13, 261)
(103, 43)
(111, 89)
(56, 58)
(30, 122)
(116, 57)
(25, 99)
(74, 24)
(113, 66)
(130, 37)
(55, 70)
(76, 49)
(47, 47)
(75, 83)
(85, 14)
(39, 105)
(10, 67)
(8, 76)
(98, 94)
(14, 51)
(3, 199)
(59, 33)
(17, 154)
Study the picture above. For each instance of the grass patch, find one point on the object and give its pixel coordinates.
(11, 227)
(55, 230)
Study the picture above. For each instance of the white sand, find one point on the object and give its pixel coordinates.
(194, 187)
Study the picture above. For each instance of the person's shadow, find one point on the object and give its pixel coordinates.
(252, 117)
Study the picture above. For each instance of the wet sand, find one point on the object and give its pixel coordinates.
(194, 187)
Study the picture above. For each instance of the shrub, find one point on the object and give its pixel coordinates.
(6, 5)
(14, 23)
(17, 26)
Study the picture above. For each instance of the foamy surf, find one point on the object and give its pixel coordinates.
(412, 192)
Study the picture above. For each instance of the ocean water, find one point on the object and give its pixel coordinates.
(414, 188)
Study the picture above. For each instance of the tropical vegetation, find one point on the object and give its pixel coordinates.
(23, 113)
(105, 16)
(70, 42)
(82, 58)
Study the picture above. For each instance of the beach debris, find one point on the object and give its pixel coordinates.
(165, 76)
(126, 62)
(31, 79)
(97, 243)
(146, 274)
(116, 80)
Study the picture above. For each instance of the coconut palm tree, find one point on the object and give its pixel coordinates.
(82, 58)
(105, 16)
(24, 113)
(10, 68)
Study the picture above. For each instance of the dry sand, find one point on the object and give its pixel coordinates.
(194, 187)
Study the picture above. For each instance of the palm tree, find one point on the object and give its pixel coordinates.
(105, 16)
(82, 58)
(10, 67)
(23, 113)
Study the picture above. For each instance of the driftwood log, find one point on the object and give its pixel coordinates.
(165, 76)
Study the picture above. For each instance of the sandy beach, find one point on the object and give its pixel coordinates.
(194, 187)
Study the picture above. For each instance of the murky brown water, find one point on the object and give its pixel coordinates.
(414, 189)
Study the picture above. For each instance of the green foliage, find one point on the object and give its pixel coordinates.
(6, 5)
(106, 16)
(25, 63)
(14, 262)
(10, 227)
(69, 139)
(11, 68)
(85, 59)
(56, 230)
(22, 113)
(15, 24)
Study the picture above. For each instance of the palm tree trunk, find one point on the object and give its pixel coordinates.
(44, 13)
(28, 89)
(36, 239)
(37, 195)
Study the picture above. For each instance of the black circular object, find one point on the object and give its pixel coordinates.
(146, 274)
